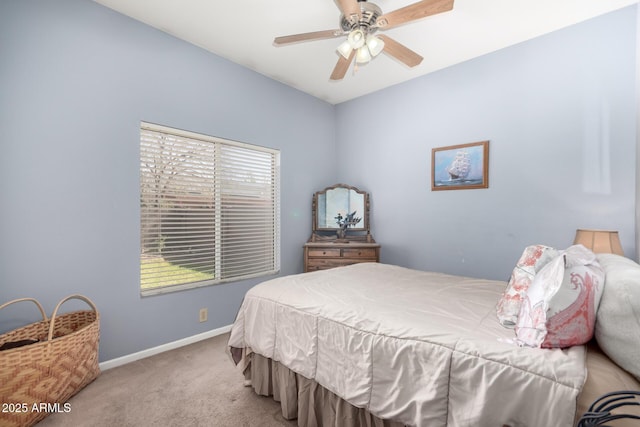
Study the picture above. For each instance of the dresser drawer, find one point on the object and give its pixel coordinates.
(359, 253)
(323, 264)
(326, 253)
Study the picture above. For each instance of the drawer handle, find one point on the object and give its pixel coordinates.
(324, 252)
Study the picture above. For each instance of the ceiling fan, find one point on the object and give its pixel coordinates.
(360, 20)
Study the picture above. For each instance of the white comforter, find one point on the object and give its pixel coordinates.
(418, 347)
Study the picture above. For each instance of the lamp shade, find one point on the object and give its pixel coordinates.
(363, 55)
(356, 39)
(599, 241)
(375, 45)
(345, 49)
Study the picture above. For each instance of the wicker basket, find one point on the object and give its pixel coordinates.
(37, 379)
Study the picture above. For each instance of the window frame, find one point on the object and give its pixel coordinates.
(218, 184)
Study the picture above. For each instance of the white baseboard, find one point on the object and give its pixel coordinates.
(113, 363)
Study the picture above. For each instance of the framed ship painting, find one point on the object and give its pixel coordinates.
(460, 167)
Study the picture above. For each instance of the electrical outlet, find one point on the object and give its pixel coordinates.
(203, 314)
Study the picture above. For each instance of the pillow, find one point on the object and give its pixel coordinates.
(559, 308)
(532, 260)
(618, 318)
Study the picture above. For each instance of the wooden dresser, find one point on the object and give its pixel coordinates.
(340, 229)
(324, 255)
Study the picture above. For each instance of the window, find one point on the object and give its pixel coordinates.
(209, 210)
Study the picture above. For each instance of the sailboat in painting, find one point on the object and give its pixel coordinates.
(460, 167)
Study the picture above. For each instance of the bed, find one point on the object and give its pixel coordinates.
(377, 344)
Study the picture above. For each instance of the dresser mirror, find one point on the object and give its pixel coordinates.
(333, 206)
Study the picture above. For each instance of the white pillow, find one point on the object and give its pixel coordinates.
(618, 317)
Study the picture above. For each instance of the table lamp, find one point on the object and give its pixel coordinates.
(599, 241)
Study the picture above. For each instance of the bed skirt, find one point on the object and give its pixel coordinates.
(306, 400)
(313, 405)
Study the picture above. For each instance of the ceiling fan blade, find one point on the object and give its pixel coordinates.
(414, 11)
(350, 9)
(342, 66)
(400, 51)
(316, 35)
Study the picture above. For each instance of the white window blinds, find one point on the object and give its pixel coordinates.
(209, 210)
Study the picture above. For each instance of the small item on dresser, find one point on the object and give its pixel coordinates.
(344, 222)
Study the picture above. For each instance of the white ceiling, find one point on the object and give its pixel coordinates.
(243, 32)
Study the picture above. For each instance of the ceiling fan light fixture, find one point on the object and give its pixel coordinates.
(356, 39)
(375, 45)
(359, 20)
(345, 49)
(363, 55)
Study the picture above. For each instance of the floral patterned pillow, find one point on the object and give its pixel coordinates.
(560, 306)
(532, 260)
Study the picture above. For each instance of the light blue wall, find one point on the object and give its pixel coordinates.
(76, 79)
(560, 114)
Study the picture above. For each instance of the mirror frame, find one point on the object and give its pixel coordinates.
(365, 215)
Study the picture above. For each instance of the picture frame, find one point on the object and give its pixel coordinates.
(460, 167)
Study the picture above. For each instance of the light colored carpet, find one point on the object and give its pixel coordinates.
(196, 385)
